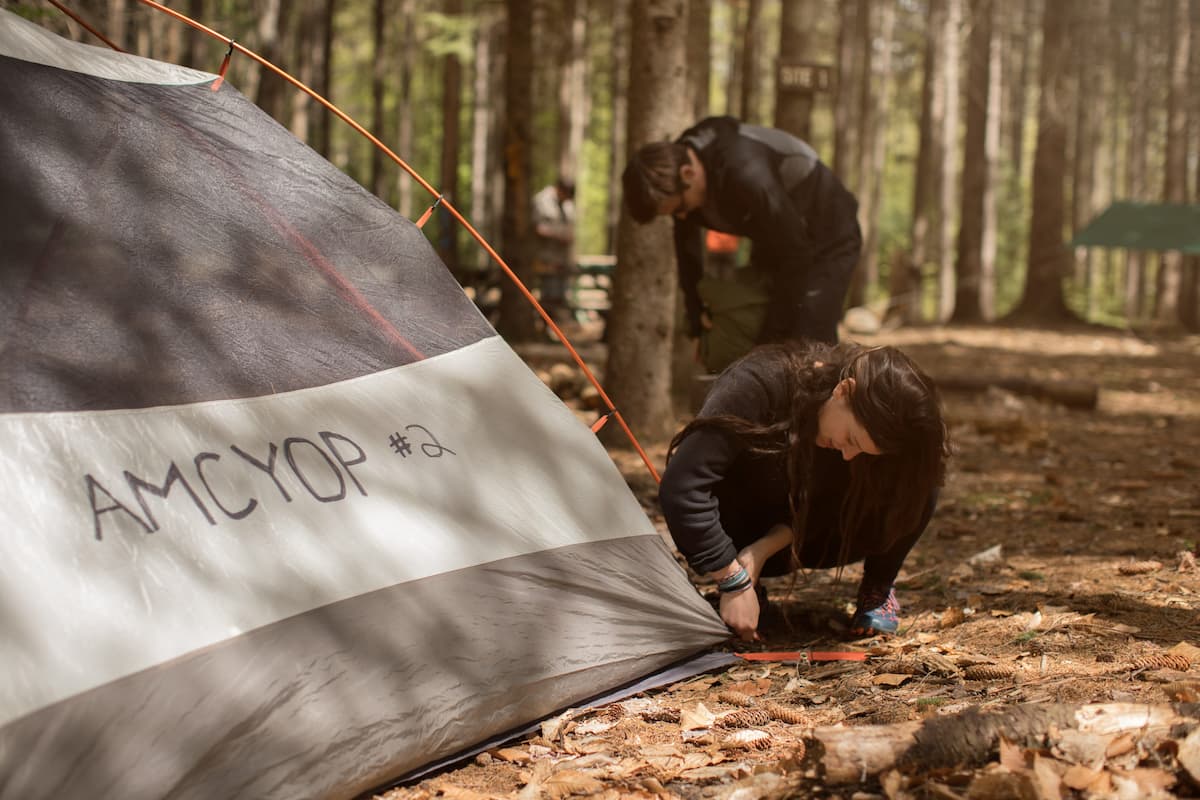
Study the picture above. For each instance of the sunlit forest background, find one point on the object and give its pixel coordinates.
(961, 125)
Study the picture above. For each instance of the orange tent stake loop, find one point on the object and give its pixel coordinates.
(429, 211)
(224, 66)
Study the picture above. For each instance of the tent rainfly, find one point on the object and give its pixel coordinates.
(1144, 226)
(282, 516)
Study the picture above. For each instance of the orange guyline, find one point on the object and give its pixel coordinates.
(439, 199)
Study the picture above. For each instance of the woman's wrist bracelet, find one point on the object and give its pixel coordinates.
(737, 582)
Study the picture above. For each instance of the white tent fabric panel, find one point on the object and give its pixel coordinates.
(181, 526)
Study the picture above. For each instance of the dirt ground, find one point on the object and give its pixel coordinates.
(1058, 576)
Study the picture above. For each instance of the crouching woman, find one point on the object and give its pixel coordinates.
(810, 456)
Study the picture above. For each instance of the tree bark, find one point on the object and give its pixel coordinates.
(620, 108)
(517, 322)
(272, 88)
(1043, 300)
(845, 128)
(447, 226)
(481, 131)
(699, 44)
(737, 61)
(304, 52)
(875, 146)
(751, 52)
(1135, 157)
(904, 285)
(1089, 102)
(640, 328)
(404, 103)
(951, 47)
(976, 176)
(379, 76)
(797, 44)
(852, 755)
(324, 143)
(572, 93)
(1176, 19)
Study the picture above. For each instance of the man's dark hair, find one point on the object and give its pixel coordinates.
(567, 187)
(651, 176)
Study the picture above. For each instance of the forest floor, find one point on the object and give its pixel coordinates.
(1060, 568)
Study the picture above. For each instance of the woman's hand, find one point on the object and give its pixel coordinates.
(740, 612)
(755, 555)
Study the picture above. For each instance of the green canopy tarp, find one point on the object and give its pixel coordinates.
(1144, 226)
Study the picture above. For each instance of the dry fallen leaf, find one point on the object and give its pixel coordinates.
(1079, 777)
(568, 782)
(692, 718)
(890, 679)
(512, 755)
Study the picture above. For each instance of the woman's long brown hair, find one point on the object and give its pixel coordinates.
(895, 401)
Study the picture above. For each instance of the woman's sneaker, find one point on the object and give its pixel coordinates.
(878, 612)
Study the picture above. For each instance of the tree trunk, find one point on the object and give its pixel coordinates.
(640, 329)
(699, 58)
(797, 44)
(951, 47)
(1020, 50)
(620, 106)
(737, 60)
(1176, 18)
(1089, 102)
(845, 129)
(404, 102)
(447, 226)
(324, 143)
(699, 44)
(517, 321)
(304, 57)
(271, 87)
(875, 147)
(195, 40)
(379, 76)
(1189, 292)
(481, 132)
(117, 27)
(572, 93)
(1043, 299)
(904, 288)
(1135, 158)
(976, 175)
(751, 54)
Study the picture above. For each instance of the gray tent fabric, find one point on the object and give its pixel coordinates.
(283, 517)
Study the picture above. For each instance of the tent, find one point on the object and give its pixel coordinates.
(1144, 226)
(282, 516)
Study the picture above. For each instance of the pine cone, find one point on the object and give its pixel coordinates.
(661, 715)
(1162, 661)
(987, 672)
(736, 698)
(792, 716)
(749, 718)
(751, 740)
(1139, 567)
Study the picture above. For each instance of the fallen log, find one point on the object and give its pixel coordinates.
(843, 755)
(1072, 394)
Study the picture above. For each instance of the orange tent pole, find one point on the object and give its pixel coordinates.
(233, 45)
